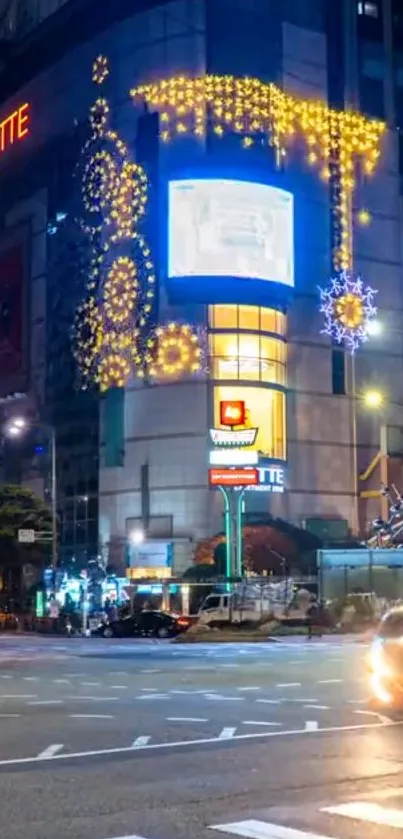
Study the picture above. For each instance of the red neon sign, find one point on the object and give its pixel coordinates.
(14, 127)
(232, 413)
(233, 477)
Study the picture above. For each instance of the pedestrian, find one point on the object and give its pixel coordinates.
(311, 616)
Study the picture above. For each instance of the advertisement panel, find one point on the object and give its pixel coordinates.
(233, 477)
(230, 228)
(265, 417)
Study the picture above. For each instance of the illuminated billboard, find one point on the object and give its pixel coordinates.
(230, 228)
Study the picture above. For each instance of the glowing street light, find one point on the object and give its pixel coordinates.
(136, 537)
(374, 328)
(373, 399)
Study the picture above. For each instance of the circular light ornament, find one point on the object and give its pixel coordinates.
(113, 371)
(177, 352)
(348, 308)
(100, 69)
(100, 181)
(120, 290)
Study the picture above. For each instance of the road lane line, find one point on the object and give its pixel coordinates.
(91, 717)
(201, 741)
(31, 678)
(46, 702)
(140, 741)
(311, 725)
(118, 687)
(91, 684)
(254, 829)
(288, 685)
(218, 697)
(226, 733)
(271, 701)
(249, 688)
(259, 722)
(149, 696)
(150, 671)
(51, 751)
(61, 681)
(330, 681)
(187, 719)
(368, 812)
(6, 716)
(318, 707)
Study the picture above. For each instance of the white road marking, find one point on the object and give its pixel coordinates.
(150, 671)
(259, 722)
(187, 719)
(318, 707)
(311, 725)
(91, 684)
(226, 733)
(62, 682)
(30, 678)
(382, 717)
(92, 698)
(51, 751)
(230, 665)
(220, 698)
(73, 675)
(201, 741)
(150, 690)
(92, 717)
(149, 696)
(9, 715)
(330, 681)
(288, 685)
(249, 688)
(46, 702)
(254, 829)
(141, 741)
(271, 701)
(6, 677)
(357, 701)
(119, 673)
(368, 812)
(119, 687)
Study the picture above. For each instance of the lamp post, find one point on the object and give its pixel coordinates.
(374, 400)
(15, 428)
(373, 330)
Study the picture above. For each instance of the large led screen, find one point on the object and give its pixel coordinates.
(227, 228)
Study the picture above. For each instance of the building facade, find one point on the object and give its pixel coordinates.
(136, 460)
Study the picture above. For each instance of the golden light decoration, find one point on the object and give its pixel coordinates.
(349, 310)
(174, 351)
(335, 140)
(109, 326)
(99, 115)
(100, 69)
(100, 182)
(120, 290)
(114, 371)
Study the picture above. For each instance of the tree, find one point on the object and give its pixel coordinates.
(21, 509)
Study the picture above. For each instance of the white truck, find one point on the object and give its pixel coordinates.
(247, 604)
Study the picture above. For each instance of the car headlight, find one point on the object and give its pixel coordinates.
(378, 660)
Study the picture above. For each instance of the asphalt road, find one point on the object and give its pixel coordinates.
(108, 739)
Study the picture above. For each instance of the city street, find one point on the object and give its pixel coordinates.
(104, 739)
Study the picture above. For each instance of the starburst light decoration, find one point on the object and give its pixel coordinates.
(174, 351)
(348, 308)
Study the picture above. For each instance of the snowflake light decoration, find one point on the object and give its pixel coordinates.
(348, 307)
(175, 351)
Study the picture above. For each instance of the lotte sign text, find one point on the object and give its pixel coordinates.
(14, 127)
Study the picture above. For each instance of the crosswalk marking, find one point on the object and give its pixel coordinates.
(254, 829)
(368, 812)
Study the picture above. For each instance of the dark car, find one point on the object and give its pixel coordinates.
(149, 623)
(385, 660)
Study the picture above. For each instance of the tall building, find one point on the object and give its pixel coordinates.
(240, 250)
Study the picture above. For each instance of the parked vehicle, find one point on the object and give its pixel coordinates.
(148, 623)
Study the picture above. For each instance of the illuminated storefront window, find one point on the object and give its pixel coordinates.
(265, 410)
(247, 344)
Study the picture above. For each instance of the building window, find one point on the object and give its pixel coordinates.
(247, 356)
(247, 317)
(265, 410)
(368, 9)
(338, 372)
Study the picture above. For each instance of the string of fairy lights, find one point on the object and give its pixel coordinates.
(342, 145)
(113, 340)
(113, 337)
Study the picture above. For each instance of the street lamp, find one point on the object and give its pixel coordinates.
(373, 399)
(136, 537)
(14, 428)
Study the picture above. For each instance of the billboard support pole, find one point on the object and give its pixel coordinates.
(228, 531)
(239, 495)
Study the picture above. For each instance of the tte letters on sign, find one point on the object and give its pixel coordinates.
(14, 127)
